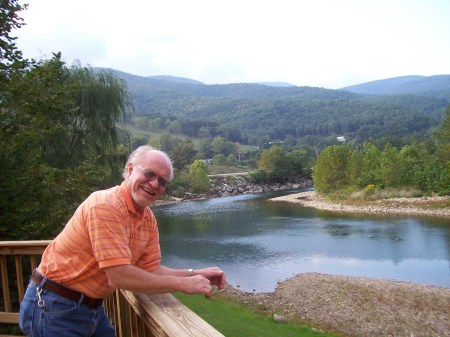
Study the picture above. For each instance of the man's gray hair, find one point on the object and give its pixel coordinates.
(136, 156)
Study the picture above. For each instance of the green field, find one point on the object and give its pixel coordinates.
(233, 320)
(136, 132)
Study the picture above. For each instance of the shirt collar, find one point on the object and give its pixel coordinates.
(129, 202)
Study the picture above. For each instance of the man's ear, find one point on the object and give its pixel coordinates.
(130, 168)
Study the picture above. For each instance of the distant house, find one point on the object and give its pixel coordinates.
(340, 138)
(268, 145)
(242, 156)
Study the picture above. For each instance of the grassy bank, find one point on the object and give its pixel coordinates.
(233, 320)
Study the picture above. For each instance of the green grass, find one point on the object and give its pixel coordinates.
(149, 133)
(157, 134)
(214, 169)
(233, 320)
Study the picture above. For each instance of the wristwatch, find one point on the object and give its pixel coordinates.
(190, 272)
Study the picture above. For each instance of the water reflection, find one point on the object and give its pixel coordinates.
(259, 242)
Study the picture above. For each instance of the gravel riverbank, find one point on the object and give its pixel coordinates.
(355, 306)
(393, 205)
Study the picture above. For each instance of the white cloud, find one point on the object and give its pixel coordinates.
(324, 43)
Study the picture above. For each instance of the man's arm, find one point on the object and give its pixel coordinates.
(215, 275)
(164, 280)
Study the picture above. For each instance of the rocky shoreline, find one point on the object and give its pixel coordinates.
(386, 206)
(226, 186)
(229, 186)
(354, 306)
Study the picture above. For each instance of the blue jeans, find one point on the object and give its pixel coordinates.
(51, 315)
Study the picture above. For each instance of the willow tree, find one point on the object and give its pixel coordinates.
(101, 101)
(58, 143)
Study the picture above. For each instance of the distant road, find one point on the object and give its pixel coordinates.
(229, 174)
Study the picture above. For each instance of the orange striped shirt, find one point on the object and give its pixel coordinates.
(104, 231)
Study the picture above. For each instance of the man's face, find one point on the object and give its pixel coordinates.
(146, 181)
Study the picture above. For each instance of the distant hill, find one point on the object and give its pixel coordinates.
(435, 86)
(175, 79)
(277, 84)
(249, 112)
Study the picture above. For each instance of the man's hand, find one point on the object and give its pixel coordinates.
(215, 275)
(197, 285)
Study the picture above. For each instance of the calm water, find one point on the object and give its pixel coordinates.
(258, 242)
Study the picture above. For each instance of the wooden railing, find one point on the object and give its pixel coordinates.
(133, 314)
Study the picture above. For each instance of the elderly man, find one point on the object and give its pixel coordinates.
(111, 242)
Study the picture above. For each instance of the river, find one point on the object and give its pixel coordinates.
(258, 243)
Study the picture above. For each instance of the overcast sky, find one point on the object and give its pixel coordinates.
(320, 43)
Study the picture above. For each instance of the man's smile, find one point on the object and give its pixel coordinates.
(146, 190)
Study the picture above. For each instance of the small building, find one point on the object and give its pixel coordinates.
(207, 161)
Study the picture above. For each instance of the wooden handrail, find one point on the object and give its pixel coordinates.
(133, 314)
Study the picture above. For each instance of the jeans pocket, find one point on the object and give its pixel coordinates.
(27, 311)
(64, 315)
(57, 306)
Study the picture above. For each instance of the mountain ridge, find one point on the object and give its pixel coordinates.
(392, 85)
(435, 85)
(248, 112)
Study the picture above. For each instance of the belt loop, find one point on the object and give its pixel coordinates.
(81, 299)
(44, 279)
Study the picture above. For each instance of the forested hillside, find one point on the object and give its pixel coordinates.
(433, 86)
(253, 111)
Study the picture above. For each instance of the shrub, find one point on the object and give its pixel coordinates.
(369, 190)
